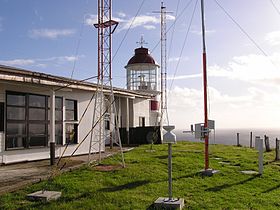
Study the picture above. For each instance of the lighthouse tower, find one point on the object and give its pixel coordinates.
(143, 75)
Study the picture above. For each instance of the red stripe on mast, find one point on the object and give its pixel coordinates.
(206, 134)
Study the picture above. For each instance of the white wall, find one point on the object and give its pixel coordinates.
(141, 109)
(138, 107)
(82, 97)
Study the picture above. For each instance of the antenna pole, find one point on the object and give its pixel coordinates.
(163, 88)
(104, 105)
(206, 139)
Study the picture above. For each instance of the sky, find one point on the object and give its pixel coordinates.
(242, 39)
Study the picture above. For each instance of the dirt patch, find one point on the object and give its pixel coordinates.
(108, 167)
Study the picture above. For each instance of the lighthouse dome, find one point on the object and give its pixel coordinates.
(141, 56)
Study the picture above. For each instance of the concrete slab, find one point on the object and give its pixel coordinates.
(165, 203)
(44, 196)
(224, 163)
(209, 172)
(249, 172)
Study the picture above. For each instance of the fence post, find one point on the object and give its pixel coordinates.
(266, 141)
(277, 149)
(251, 139)
(237, 137)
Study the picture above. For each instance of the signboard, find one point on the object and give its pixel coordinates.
(211, 124)
(199, 131)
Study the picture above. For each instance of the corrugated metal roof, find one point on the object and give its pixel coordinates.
(8, 73)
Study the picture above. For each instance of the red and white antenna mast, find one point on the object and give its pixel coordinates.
(104, 106)
(206, 138)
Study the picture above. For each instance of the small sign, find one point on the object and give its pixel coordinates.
(199, 131)
(211, 124)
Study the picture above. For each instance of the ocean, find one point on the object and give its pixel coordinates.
(228, 136)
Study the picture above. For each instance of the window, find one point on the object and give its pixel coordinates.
(37, 122)
(1, 116)
(107, 121)
(71, 126)
(142, 121)
(26, 122)
(71, 110)
(71, 133)
(16, 134)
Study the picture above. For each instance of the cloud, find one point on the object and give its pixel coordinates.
(254, 69)
(176, 59)
(185, 107)
(40, 62)
(140, 20)
(183, 77)
(50, 33)
(18, 62)
(149, 27)
(146, 21)
(36, 13)
(206, 31)
(121, 14)
(273, 38)
(250, 68)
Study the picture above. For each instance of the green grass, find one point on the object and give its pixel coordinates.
(145, 179)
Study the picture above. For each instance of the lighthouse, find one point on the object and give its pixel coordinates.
(142, 73)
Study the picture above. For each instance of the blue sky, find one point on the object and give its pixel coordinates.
(50, 36)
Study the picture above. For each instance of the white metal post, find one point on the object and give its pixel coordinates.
(52, 127)
(127, 119)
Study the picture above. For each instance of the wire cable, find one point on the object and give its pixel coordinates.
(275, 7)
(183, 47)
(182, 12)
(174, 26)
(125, 35)
(241, 28)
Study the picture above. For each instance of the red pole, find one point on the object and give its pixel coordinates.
(206, 139)
(205, 113)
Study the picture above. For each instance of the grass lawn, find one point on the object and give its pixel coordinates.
(145, 179)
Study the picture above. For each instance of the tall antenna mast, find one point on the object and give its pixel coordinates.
(163, 89)
(104, 105)
(206, 139)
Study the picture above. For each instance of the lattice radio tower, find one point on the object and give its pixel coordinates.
(163, 89)
(104, 103)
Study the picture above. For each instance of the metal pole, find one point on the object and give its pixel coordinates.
(251, 139)
(52, 128)
(127, 120)
(170, 171)
(206, 153)
(237, 137)
(277, 149)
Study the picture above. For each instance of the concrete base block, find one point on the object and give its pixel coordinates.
(224, 163)
(165, 203)
(249, 172)
(209, 172)
(44, 196)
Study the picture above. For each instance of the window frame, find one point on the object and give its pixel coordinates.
(27, 122)
(74, 122)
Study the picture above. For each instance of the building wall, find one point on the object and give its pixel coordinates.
(141, 109)
(82, 98)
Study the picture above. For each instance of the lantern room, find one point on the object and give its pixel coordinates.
(142, 72)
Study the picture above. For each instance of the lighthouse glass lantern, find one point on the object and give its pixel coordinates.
(142, 72)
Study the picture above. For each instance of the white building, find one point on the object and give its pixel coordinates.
(25, 109)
